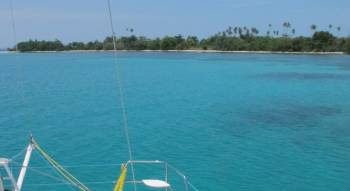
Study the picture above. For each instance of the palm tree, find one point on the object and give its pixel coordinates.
(286, 25)
(240, 31)
(235, 30)
(269, 30)
(330, 26)
(255, 31)
(131, 30)
(245, 28)
(313, 28)
(229, 31)
(338, 29)
(247, 32)
(293, 32)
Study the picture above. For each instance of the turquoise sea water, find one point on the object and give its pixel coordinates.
(228, 121)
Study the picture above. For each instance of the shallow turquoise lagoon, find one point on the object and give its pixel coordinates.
(228, 121)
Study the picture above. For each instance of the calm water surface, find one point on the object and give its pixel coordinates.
(228, 121)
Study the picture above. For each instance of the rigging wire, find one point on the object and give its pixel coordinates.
(192, 186)
(90, 183)
(63, 172)
(81, 166)
(18, 68)
(18, 154)
(58, 184)
(45, 174)
(121, 91)
(59, 179)
(13, 25)
(124, 115)
(71, 186)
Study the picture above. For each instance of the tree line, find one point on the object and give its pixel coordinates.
(231, 39)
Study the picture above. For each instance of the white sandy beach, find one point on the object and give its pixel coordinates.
(192, 51)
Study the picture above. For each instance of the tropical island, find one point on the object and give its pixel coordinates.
(231, 39)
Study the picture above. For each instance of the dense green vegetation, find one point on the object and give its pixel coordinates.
(232, 39)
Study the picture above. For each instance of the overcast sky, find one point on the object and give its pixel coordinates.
(84, 20)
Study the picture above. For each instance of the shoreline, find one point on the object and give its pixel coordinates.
(187, 51)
